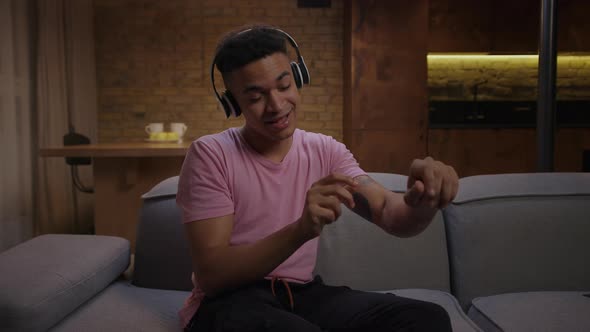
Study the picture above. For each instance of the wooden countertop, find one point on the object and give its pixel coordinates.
(118, 150)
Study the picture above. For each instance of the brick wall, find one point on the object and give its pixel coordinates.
(506, 78)
(153, 60)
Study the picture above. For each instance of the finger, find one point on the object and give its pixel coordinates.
(332, 203)
(415, 171)
(429, 179)
(455, 191)
(336, 178)
(423, 170)
(446, 193)
(324, 215)
(455, 183)
(440, 172)
(344, 195)
(413, 196)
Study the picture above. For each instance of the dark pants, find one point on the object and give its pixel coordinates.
(316, 307)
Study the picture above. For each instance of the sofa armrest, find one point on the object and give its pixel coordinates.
(46, 278)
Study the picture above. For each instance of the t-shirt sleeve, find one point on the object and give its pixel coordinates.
(203, 190)
(342, 161)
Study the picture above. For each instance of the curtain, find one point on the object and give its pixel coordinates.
(66, 90)
(16, 123)
(47, 81)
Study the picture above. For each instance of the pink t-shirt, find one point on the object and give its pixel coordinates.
(223, 175)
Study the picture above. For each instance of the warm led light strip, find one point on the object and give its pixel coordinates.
(491, 57)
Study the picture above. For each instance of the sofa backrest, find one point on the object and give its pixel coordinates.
(352, 251)
(357, 253)
(518, 233)
(162, 257)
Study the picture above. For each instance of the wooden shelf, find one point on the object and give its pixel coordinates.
(118, 150)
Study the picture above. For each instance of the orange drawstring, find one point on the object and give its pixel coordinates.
(272, 288)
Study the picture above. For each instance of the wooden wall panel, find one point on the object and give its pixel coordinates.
(382, 150)
(385, 82)
(488, 151)
(570, 144)
(382, 107)
(484, 151)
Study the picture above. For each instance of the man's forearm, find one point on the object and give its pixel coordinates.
(430, 183)
(402, 220)
(393, 215)
(230, 267)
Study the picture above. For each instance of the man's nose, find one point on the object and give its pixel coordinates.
(275, 101)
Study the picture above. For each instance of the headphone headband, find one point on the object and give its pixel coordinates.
(226, 99)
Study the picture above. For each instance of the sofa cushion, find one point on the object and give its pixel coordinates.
(459, 320)
(357, 253)
(162, 257)
(47, 277)
(534, 311)
(124, 307)
(519, 232)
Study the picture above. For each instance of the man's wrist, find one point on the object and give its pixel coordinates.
(403, 220)
(299, 234)
(420, 214)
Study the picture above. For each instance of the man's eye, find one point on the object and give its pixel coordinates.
(255, 99)
(285, 87)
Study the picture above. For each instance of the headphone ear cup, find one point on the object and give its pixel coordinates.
(304, 72)
(296, 75)
(226, 105)
(230, 105)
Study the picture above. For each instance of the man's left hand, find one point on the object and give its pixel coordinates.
(431, 184)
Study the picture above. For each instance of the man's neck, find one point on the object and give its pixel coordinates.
(274, 151)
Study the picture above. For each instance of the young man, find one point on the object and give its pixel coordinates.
(255, 200)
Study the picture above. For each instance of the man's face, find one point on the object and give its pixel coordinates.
(268, 97)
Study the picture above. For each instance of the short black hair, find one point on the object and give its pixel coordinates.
(246, 45)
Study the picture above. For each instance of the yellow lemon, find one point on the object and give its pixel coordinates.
(172, 135)
(161, 136)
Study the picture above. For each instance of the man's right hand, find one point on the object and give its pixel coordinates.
(322, 203)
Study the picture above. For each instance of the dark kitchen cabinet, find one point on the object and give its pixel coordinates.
(504, 26)
(516, 26)
(573, 30)
(459, 25)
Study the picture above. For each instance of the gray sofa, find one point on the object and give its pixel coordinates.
(512, 253)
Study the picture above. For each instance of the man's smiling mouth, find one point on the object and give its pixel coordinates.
(278, 119)
(279, 123)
